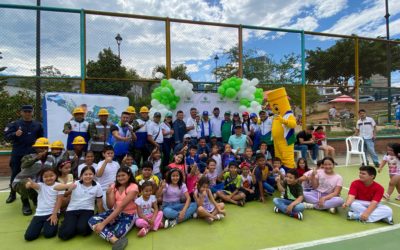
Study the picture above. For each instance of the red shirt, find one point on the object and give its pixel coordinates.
(373, 192)
(319, 137)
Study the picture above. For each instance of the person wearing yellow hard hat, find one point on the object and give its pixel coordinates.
(77, 154)
(22, 133)
(57, 150)
(99, 132)
(140, 146)
(32, 165)
(132, 118)
(76, 127)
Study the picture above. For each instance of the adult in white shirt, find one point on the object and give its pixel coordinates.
(216, 122)
(154, 132)
(332, 113)
(366, 128)
(168, 133)
(206, 128)
(191, 125)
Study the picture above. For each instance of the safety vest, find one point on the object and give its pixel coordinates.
(121, 147)
(98, 145)
(77, 129)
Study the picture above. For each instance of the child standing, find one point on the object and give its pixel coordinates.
(49, 203)
(149, 217)
(291, 204)
(81, 206)
(172, 190)
(232, 183)
(89, 161)
(106, 171)
(114, 224)
(155, 159)
(216, 156)
(207, 207)
(394, 174)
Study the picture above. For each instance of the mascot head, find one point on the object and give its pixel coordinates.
(278, 101)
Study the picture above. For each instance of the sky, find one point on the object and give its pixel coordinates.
(143, 44)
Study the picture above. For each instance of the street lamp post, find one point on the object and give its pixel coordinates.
(118, 38)
(216, 58)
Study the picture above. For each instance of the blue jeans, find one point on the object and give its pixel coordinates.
(369, 148)
(171, 210)
(304, 147)
(267, 187)
(282, 205)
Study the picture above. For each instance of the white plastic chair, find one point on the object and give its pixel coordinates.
(355, 146)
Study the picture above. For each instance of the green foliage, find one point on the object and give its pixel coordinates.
(108, 65)
(49, 85)
(178, 72)
(335, 65)
(2, 68)
(11, 106)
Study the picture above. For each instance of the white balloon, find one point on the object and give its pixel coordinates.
(155, 103)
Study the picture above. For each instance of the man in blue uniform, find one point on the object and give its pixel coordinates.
(23, 134)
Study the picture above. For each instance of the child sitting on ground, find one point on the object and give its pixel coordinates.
(155, 159)
(150, 218)
(232, 182)
(192, 179)
(302, 167)
(247, 186)
(227, 157)
(207, 208)
(147, 175)
(128, 161)
(291, 204)
(215, 155)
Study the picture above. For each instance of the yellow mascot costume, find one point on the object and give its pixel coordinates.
(283, 126)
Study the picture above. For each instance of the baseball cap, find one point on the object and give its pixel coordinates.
(236, 114)
(27, 108)
(205, 113)
(238, 126)
(227, 113)
(157, 114)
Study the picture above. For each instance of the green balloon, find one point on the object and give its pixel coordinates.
(172, 105)
(221, 90)
(245, 102)
(164, 82)
(230, 93)
(166, 91)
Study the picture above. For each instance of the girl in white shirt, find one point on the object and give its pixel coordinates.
(81, 206)
(48, 208)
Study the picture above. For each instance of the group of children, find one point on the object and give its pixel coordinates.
(111, 197)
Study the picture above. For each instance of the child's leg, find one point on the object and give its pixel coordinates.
(105, 233)
(158, 220)
(170, 212)
(311, 197)
(190, 211)
(281, 204)
(49, 230)
(268, 187)
(221, 194)
(332, 203)
(142, 223)
(123, 224)
(203, 213)
(221, 207)
(35, 227)
(239, 196)
(392, 184)
(82, 226)
(68, 227)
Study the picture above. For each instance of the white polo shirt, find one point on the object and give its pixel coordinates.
(109, 174)
(47, 198)
(192, 122)
(216, 126)
(366, 127)
(83, 197)
(153, 129)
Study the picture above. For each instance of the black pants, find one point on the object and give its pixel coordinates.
(75, 222)
(140, 154)
(37, 224)
(15, 165)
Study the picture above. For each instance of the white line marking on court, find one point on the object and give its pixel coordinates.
(336, 239)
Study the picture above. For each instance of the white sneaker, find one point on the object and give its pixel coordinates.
(194, 215)
(332, 210)
(314, 161)
(220, 216)
(308, 205)
(352, 216)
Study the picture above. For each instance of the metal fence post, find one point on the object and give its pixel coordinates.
(168, 47)
(303, 81)
(83, 50)
(240, 52)
(357, 77)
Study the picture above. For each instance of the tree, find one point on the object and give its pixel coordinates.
(57, 81)
(335, 65)
(3, 82)
(178, 72)
(108, 66)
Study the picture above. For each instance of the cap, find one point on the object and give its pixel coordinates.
(57, 145)
(253, 115)
(79, 140)
(157, 114)
(186, 136)
(205, 113)
(227, 113)
(238, 126)
(245, 114)
(236, 114)
(244, 165)
(168, 114)
(27, 108)
(261, 111)
(213, 136)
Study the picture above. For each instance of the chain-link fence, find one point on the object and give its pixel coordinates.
(127, 55)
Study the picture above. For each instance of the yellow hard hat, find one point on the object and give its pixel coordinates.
(79, 140)
(131, 110)
(78, 111)
(41, 142)
(103, 112)
(57, 145)
(144, 109)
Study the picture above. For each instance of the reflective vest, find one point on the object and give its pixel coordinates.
(96, 144)
(77, 128)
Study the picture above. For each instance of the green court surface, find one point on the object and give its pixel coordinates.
(254, 226)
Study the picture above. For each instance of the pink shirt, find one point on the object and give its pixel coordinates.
(328, 183)
(119, 197)
(181, 167)
(191, 182)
